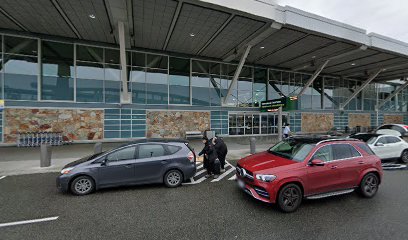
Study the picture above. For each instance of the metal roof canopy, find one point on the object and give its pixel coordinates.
(281, 37)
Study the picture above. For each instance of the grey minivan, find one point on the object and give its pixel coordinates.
(145, 161)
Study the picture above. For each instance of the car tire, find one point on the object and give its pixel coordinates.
(404, 156)
(369, 185)
(82, 185)
(173, 178)
(289, 198)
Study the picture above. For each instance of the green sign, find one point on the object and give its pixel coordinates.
(287, 104)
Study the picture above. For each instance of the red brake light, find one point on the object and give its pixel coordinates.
(191, 156)
(406, 127)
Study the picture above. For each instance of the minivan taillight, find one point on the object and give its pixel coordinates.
(191, 156)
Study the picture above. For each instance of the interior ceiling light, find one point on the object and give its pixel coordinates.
(92, 16)
(192, 34)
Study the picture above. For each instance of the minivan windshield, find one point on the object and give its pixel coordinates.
(291, 149)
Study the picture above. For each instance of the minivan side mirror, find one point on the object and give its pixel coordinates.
(317, 162)
(104, 161)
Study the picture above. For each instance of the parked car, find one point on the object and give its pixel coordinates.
(309, 167)
(400, 130)
(140, 162)
(386, 147)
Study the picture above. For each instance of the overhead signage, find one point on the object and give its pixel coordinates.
(287, 104)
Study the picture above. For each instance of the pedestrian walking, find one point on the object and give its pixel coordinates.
(222, 151)
(210, 155)
(286, 131)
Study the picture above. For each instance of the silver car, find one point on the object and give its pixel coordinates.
(140, 162)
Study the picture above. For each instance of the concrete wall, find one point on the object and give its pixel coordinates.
(174, 124)
(317, 122)
(76, 124)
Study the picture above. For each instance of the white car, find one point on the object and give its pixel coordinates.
(386, 147)
(400, 130)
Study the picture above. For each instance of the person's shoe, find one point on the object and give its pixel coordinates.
(216, 176)
(222, 170)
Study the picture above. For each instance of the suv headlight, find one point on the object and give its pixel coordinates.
(66, 170)
(265, 177)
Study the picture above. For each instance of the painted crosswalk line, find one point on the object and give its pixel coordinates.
(200, 176)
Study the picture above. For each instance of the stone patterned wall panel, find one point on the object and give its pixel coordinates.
(397, 119)
(76, 124)
(359, 119)
(317, 122)
(174, 124)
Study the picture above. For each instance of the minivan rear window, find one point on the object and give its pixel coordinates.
(173, 149)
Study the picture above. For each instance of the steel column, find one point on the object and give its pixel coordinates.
(122, 44)
(237, 72)
(314, 76)
(398, 90)
(364, 85)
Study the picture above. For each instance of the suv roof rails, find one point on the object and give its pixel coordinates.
(158, 140)
(338, 139)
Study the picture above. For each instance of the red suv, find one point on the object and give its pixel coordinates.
(309, 167)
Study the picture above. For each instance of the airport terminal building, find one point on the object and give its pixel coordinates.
(103, 70)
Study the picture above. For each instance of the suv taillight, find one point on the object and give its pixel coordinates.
(406, 127)
(191, 156)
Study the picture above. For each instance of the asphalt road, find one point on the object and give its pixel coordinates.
(203, 211)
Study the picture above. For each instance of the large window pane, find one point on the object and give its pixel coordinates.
(91, 54)
(87, 70)
(112, 91)
(138, 59)
(112, 72)
(138, 82)
(20, 87)
(156, 87)
(112, 56)
(89, 90)
(260, 79)
(57, 88)
(1, 86)
(201, 67)
(20, 65)
(19, 45)
(215, 91)
(179, 81)
(157, 61)
(57, 71)
(245, 92)
(200, 89)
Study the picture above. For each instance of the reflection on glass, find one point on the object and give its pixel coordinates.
(157, 61)
(112, 72)
(57, 88)
(179, 81)
(156, 87)
(112, 56)
(90, 54)
(20, 87)
(112, 91)
(20, 65)
(19, 45)
(138, 82)
(138, 59)
(89, 90)
(200, 89)
(87, 70)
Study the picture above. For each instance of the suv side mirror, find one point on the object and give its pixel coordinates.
(317, 162)
(379, 144)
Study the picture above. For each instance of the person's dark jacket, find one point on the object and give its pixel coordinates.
(220, 147)
(210, 151)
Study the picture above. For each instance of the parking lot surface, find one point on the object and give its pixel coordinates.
(208, 210)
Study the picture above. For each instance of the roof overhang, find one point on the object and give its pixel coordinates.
(281, 37)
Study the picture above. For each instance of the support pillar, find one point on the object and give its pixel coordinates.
(280, 125)
(122, 44)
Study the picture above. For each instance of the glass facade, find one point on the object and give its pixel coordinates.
(254, 123)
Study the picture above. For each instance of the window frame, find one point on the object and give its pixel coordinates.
(117, 150)
(165, 150)
(335, 160)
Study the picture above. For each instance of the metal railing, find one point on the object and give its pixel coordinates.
(35, 139)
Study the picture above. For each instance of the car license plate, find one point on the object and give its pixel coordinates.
(241, 183)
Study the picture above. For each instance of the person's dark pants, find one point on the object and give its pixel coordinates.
(285, 135)
(210, 167)
(222, 158)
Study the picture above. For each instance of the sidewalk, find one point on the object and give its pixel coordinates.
(17, 161)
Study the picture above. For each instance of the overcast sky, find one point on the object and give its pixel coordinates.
(385, 17)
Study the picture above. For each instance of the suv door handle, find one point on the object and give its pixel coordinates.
(360, 162)
(333, 167)
(164, 162)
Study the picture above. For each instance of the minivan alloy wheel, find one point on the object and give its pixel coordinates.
(173, 178)
(83, 185)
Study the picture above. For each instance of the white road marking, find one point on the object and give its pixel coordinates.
(200, 166)
(28, 221)
(223, 175)
(200, 172)
(2, 177)
(233, 177)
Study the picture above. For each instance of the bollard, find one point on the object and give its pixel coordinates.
(98, 148)
(45, 155)
(252, 142)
